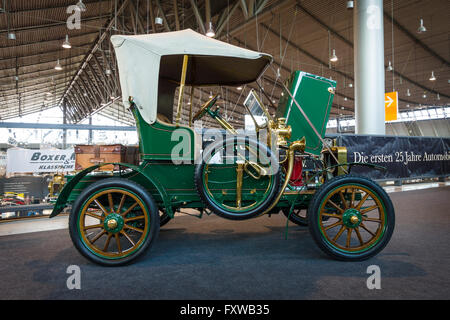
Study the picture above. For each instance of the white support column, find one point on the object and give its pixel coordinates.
(64, 142)
(369, 66)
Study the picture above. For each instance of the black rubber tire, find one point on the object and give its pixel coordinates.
(255, 212)
(294, 217)
(132, 186)
(164, 218)
(313, 212)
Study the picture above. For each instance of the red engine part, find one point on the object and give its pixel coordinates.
(296, 176)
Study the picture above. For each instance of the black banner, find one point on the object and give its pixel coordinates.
(403, 157)
(36, 187)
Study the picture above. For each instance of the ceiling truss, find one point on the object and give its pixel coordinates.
(90, 81)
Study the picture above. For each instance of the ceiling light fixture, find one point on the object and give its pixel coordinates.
(239, 88)
(424, 95)
(11, 36)
(350, 5)
(408, 93)
(159, 21)
(66, 44)
(334, 57)
(210, 32)
(432, 78)
(389, 67)
(80, 6)
(421, 27)
(58, 66)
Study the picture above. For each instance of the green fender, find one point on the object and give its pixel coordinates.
(61, 203)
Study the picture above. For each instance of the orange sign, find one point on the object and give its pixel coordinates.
(391, 105)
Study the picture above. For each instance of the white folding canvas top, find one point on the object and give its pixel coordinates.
(145, 61)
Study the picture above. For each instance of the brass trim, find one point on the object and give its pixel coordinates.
(298, 145)
(239, 174)
(225, 124)
(112, 224)
(354, 219)
(181, 91)
(260, 171)
(191, 100)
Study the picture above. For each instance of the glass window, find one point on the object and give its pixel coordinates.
(332, 123)
(256, 110)
(447, 112)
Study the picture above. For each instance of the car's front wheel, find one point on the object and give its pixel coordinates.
(113, 221)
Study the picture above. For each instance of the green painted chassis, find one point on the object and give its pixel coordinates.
(170, 185)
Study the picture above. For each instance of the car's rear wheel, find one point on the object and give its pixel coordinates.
(297, 216)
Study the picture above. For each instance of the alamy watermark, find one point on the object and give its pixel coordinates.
(374, 280)
(74, 19)
(223, 147)
(74, 279)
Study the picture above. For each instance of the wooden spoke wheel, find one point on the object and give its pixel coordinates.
(113, 221)
(164, 217)
(297, 216)
(351, 218)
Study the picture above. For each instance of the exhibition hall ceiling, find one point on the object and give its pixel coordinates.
(301, 35)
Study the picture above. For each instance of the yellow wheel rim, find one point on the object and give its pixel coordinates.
(113, 223)
(349, 224)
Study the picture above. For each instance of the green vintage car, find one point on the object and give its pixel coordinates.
(283, 165)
